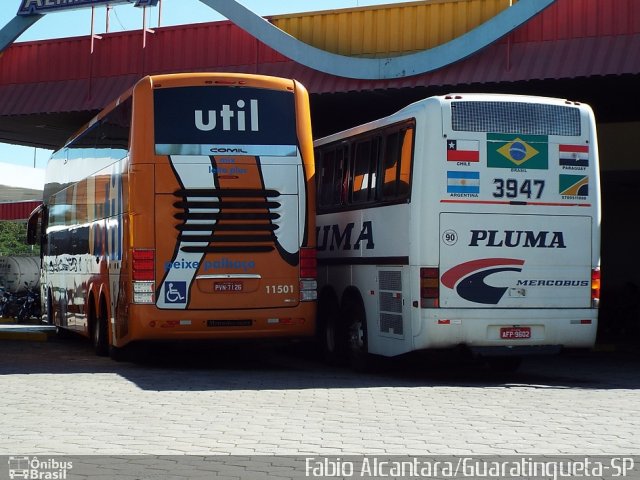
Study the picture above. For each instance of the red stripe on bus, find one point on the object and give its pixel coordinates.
(498, 202)
(463, 156)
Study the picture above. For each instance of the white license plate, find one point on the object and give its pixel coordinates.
(228, 286)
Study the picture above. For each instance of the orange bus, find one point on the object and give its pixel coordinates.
(184, 210)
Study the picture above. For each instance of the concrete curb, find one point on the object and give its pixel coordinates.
(25, 332)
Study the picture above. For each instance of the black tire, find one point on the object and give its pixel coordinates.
(100, 333)
(332, 333)
(12, 308)
(22, 315)
(354, 317)
(49, 315)
(118, 354)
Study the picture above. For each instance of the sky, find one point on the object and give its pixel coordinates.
(126, 17)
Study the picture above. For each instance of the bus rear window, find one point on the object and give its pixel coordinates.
(211, 120)
(515, 117)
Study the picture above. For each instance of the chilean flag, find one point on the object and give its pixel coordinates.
(574, 155)
(463, 151)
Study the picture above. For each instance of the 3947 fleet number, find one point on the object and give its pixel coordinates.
(512, 188)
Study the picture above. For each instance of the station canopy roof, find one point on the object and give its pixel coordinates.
(20, 184)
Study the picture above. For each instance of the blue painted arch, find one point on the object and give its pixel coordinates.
(380, 68)
(345, 66)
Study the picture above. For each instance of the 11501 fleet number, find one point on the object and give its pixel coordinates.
(279, 289)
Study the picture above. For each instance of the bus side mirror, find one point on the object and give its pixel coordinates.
(34, 226)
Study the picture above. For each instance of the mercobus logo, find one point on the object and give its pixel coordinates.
(230, 119)
(468, 279)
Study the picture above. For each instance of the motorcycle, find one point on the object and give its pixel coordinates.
(7, 303)
(29, 306)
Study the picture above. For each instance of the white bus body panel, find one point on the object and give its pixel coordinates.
(514, 261)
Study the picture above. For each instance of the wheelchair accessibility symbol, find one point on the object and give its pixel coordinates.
(175, 292)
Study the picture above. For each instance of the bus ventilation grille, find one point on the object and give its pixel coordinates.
(390, 302)
(227, 220)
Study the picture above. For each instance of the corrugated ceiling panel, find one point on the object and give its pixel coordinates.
(498, 63)
(582, 18)
(392, 29)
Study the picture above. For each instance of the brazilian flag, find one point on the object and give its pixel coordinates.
(517, 151)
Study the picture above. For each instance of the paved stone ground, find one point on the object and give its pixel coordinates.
(56, 397)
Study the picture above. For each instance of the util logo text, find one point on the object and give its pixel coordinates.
(230, 119)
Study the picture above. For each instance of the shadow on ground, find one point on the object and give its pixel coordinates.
(205, 367)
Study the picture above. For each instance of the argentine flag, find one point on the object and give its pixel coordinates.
(463, 182)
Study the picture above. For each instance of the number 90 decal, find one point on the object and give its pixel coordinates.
(512, 188)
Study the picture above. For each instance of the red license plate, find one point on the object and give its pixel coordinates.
(515, 333)
(228, 286)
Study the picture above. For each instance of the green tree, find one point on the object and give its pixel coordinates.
(13, 239)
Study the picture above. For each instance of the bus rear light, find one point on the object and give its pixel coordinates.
(308, 295)
(584, 321)
(144, 265)
(429, 287)
(308, 263)
(143, 292)
(143, 275)
(595, 288)
(308, 275)
(306, 284)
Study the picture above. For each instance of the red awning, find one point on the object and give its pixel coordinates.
(502, 62)
(17, 210)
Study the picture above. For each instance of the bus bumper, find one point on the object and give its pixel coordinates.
(146, 322)
(506, 329)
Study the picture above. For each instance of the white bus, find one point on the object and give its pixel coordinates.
(462, 220)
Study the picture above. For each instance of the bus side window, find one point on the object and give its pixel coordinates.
(364, 171)
(325, 183)
(333, 176)
(397, 164)
(390, 166)
(406, 156)
(341, 178)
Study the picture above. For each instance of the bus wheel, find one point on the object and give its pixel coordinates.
(49, 313)
(51, 319)
(118, 354)
(354, 316)
(332, 338)
(100, 342)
